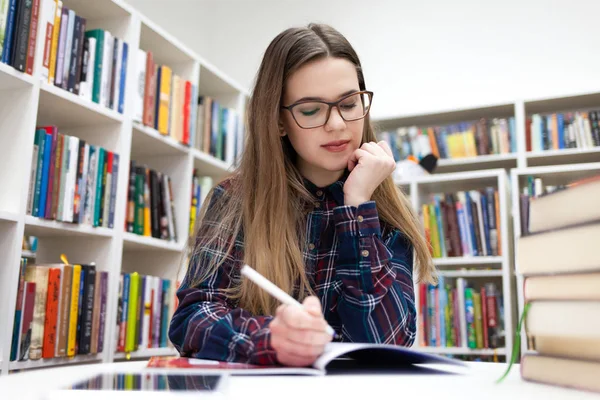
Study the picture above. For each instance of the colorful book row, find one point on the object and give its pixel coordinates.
(165, 101)
(19, 21)
(466, 223)
(201, 186)
(460, 316)
(571, 130)
(466, 139)
(71, 180)
(60, 311)
(219, 130)
(150, 204)
(145, 306)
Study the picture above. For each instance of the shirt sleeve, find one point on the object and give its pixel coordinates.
(206, 324)
(377, 302)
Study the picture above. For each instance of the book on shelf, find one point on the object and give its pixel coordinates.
(561, 268)
(164, 100)
(145, 306)
(219, 130)
(485, 136)
(72, 180)
(19, 23)
(150, 203)
(557, 131)
(201, 186)
(460, 315)
(60, 311)
(463, 224)
(91, 64)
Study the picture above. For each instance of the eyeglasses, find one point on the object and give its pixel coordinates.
(310, 114)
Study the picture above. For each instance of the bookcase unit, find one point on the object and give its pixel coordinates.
(29, 101)
(476, 269)
(550, 175)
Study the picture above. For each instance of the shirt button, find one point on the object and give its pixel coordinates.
(365, 253)
(319, 193)
(317, 204)
(311, 246)
(360, 218)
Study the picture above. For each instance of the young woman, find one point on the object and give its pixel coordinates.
(313, 208)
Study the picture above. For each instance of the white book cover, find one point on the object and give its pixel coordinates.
(32, 179)
(106, 69)
(147, 301)
(71, 177)
(83, 183)
(117, 83)
(47, 23)
(68, 49)
(86, 87)
(462, 316)
(140, 82)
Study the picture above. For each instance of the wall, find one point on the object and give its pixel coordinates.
(418, 56)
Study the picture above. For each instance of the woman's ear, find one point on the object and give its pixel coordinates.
(282, 131)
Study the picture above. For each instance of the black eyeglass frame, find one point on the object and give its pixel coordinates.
(331, 105)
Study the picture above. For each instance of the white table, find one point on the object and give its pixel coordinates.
(477, 382)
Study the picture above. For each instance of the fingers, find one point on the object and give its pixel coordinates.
(298, 318)
(386, 148)
(312, 305)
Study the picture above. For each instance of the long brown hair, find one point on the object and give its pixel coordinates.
(266, 196)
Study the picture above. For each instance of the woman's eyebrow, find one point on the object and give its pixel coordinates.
(346, 93)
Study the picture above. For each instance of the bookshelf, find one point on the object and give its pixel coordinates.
(477, 270)
(550, 175)
(27, 101)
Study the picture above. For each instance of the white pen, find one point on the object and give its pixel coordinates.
(276, 292)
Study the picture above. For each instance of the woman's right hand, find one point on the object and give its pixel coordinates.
(298, 334)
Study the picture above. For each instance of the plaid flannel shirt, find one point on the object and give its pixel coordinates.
(361, 273)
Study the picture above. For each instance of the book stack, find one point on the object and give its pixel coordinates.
(165, 101)
(465, 139)
(201, 186)
(557, 131)
(145, 306)
(19, 22)
(461, 315)
(463, 224)
(60, 311)
(150, 204)
(219, 130)
(71, 180)
(561, 268)
(91, 64)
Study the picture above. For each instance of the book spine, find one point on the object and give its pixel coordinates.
(53, 131)
(65, 303)
(470, 318)
(123, 78)
(39, 275)
(73, 311)
(113, 191)
(14, 350)
(45, 169)
(11, 19)
(27, 320)
(58, 162)
(35, 11)
(87, 311)
(131, 312)
(95, 314)
(103, 305)
(22, 35)
(49, 338)
(123, 326)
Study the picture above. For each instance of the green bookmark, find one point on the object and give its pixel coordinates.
(517, 343)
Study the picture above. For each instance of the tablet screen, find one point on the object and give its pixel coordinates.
(142, 381)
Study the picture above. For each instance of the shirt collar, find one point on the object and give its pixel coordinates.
(334, 190)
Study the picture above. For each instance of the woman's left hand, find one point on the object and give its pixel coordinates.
(369, 165)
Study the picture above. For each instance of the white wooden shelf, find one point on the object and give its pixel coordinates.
(134, 242)
(54, 362)
(209, 165)
(563, 156)
(459, 261)
(148, 141)
(28, 254)
(147, 353)
(489, 161)
(65, 109)
(467, 351)
(40, 227)
(39, 103)
(11, 78)
(8, 216)
(472, 273)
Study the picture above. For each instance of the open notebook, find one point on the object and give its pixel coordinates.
(351, 356)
